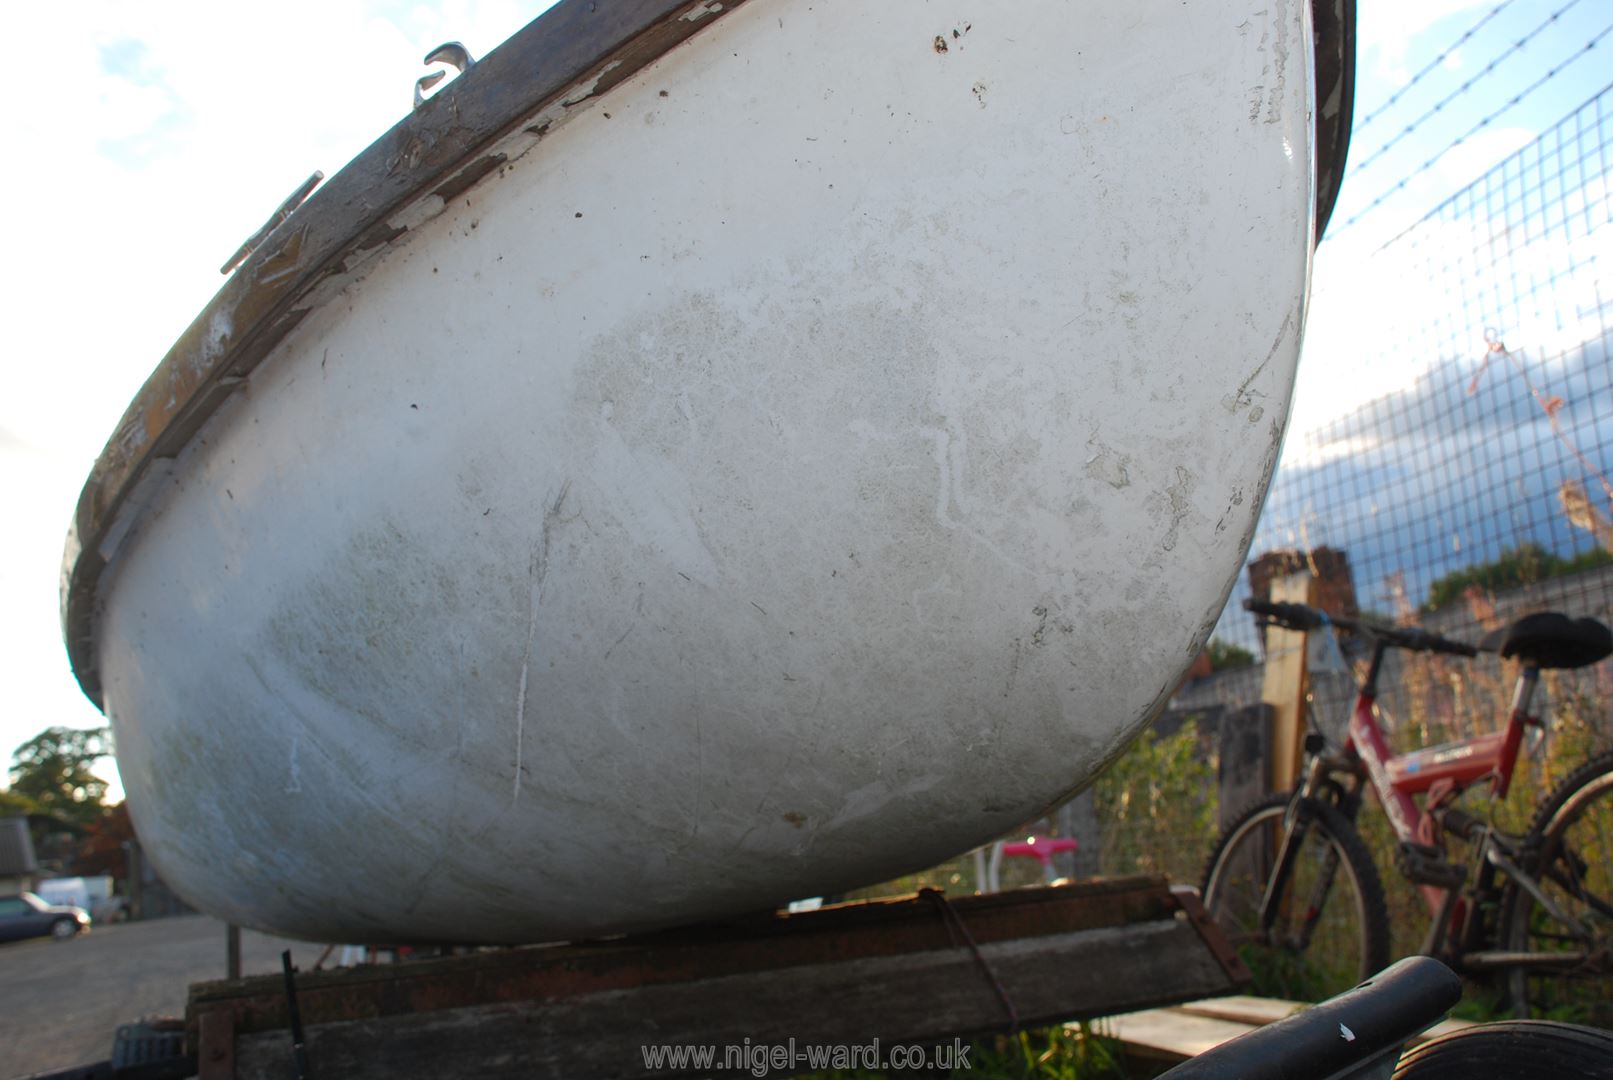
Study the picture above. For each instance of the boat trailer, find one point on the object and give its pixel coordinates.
(909, 970)
(776, 994)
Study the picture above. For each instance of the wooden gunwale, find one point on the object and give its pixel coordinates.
(565, 59)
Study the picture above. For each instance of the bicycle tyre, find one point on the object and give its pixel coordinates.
(1350, 941)
(1569, 849)
(1514, 1049)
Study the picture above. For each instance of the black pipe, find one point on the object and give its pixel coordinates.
(1359, 1028)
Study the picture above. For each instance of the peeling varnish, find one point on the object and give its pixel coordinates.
(700, 11)
(217, 342)
(583, 91)
(506, 151)
(286, 261)
(417, 213)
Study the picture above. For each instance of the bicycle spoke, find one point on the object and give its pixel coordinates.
(1573, 835)
(1302, 926)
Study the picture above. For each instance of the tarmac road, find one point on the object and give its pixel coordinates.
(60, 1003)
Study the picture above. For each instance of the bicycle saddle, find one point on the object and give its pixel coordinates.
(1551, 640)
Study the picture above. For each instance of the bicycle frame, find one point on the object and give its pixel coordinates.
(1418, 792)
(1438, 774)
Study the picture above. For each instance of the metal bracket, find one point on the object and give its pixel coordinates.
(451, 53)
(1192, 908)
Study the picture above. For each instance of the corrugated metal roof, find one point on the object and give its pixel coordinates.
(16, 848)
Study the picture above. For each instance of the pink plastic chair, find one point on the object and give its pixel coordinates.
(1040, 848)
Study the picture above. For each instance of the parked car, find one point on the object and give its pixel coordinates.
(26, 915)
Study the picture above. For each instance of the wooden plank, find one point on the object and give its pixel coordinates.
(215, 1057)
(908, 998)
(1243, 1009)
(1258, 1012)
(906, 970)
(1284, 684)
(1178, 1032)
(767, 942)
(1170, 1034)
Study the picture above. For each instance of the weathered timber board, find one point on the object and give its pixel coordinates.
(909, 998)
(765, 943)
(897, 970)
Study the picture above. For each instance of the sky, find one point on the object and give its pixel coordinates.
(150, 139)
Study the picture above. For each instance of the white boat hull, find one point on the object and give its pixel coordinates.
(818, 455)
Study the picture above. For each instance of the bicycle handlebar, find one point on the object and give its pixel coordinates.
(1303, 617)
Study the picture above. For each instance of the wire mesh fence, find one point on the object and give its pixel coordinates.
(1480, 491)
(1488, 474)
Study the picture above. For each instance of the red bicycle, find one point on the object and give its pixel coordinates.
(1294, 887)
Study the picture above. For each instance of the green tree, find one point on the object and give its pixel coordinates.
(1522, 565)
(1225, 656)
(14, 805)
(52, 771)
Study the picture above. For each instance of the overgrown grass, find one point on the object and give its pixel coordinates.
(1157, 806)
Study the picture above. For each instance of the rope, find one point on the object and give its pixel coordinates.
(957, 929)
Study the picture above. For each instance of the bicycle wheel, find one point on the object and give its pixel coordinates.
(1569, 851)
(1331, 927)
(1511, 1049)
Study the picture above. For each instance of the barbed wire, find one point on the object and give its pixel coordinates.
(1431, 65)
(1551, 73)
(1511, 51)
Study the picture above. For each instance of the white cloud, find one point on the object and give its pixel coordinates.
(1478, 154)
(1386, 30)
(1370, 331)
(1360, 304)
